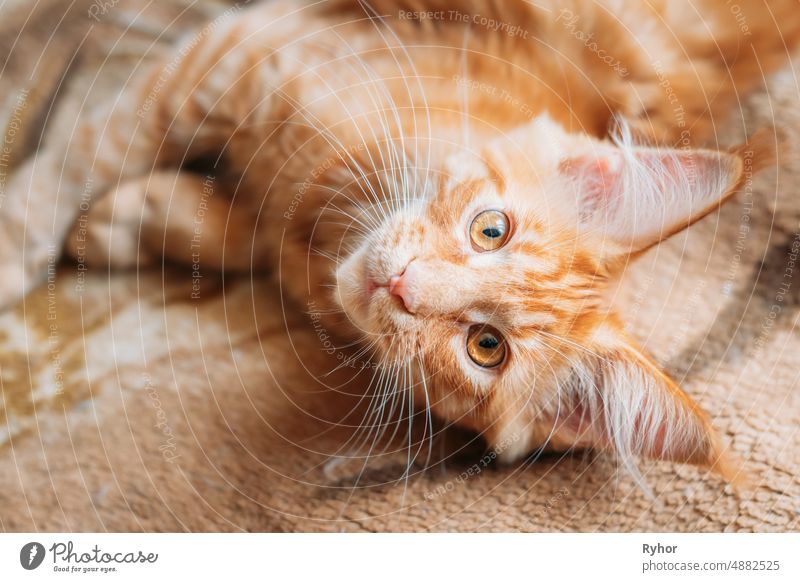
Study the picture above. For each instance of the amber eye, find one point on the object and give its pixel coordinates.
(489, 230)
(485, 346)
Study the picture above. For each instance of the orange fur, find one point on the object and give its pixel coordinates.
(376, 141)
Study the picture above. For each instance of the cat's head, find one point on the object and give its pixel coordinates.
(495, 286)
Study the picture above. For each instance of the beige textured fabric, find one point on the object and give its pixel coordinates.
(128, 406)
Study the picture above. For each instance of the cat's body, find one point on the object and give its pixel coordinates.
(356, 151)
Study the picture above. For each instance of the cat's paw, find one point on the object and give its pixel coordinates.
(110, 233)
(16, 280)
(11, 288)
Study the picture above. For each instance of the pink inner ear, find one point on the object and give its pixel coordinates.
(639, 196)
(596, 179)
(588, 425)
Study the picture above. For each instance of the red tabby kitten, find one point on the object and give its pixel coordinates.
(469, 168)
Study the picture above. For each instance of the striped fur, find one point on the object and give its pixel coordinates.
(342, 147)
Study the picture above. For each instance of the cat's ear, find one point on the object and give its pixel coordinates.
(633, 197)
(618, 399)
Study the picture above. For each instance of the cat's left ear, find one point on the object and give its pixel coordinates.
(617, 398)
(633, 197)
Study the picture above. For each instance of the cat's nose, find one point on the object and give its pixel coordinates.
(402, 286)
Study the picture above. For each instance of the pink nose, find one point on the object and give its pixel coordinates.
(402, 286)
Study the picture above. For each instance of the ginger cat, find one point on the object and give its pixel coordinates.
(462, 180)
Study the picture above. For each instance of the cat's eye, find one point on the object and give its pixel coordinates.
(489, 230)
(486, 346)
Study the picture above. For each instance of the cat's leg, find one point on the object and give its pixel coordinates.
(175, 215)
(681, 93)
(189, 107)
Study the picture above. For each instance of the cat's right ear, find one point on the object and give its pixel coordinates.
(633, 197)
